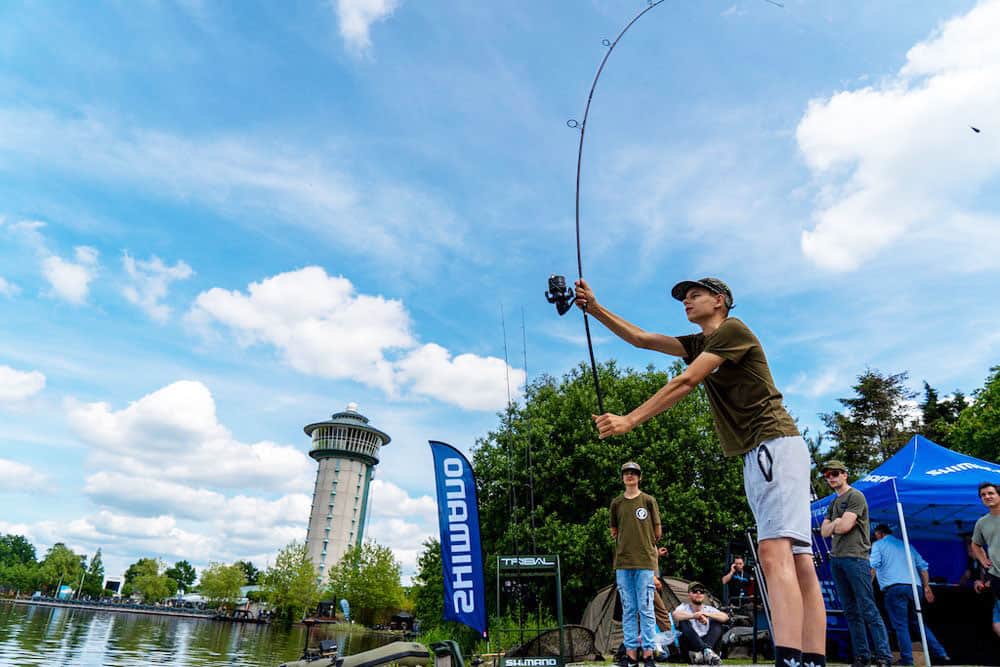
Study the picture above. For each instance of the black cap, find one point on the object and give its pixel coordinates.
(713, 285)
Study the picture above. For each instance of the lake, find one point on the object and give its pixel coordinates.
(34, 635)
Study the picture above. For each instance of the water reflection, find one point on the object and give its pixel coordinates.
(33, 635)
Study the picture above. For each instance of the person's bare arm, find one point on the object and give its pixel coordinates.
(845, 523)
(614, 533)
(826, 530)
(728, 576)
(669, 395)
(622, 328)
(928, 592)
(658, 533)
(682, 615)
(718, 615)
(980, 554)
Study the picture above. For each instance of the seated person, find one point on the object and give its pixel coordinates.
(737, 583)
(700, 626)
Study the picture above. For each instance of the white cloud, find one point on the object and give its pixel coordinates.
(8, 288)
(173, 434)
(356, 18)
(19, 477)
(70, 280)
(815, 385)
(401, 522)
(899, 158)
(18, 385)
(323, 327)
(389, 500)
(150, 280)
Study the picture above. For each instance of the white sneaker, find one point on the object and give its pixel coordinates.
(712, 658)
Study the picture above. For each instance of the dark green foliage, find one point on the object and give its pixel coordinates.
(368, 577)
(251, 571)
(938, 416)
(16, 549)
(93, 582)
(183, 573)
(977, 429)
(576, 475)
(876, 423)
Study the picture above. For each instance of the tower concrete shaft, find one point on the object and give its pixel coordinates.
(347, 450)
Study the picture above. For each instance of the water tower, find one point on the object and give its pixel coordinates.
(346, 448)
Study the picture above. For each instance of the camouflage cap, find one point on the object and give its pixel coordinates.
(713, 285)
(834, 464)
(631, 465)
(697, 586)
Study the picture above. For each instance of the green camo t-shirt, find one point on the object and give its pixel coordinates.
(987, 534)
(746, 406)
(856, 543)
(636, 520)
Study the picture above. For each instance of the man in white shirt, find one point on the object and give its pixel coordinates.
(700, 626)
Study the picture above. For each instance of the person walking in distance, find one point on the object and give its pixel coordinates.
(751, 421)
(986, 546)
(847, 523)
(635, 527)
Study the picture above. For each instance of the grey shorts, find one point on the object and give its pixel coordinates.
(776, 480)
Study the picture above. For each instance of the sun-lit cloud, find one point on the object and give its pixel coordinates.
(322, 326)
(18, 385)
(356, 17)
(17, 477)
(148, 282)
(70, 279)
(899, 158)
(8, 288)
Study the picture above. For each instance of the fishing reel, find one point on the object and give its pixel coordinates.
(559, 294)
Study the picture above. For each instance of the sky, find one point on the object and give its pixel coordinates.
(220, 222)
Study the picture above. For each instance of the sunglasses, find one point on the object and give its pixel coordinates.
(698, 591)
(833, 473)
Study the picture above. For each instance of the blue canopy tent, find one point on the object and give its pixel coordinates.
(930, 493)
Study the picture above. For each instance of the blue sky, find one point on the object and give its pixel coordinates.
(221, 222)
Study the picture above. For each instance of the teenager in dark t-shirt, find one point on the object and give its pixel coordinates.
(750, 419)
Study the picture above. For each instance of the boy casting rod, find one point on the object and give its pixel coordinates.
(558, 293)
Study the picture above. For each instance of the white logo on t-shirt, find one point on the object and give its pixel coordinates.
(641, 513)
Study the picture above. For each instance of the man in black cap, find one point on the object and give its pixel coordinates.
(700, 626)
(635, 527)
(846, 523)
(751, 422)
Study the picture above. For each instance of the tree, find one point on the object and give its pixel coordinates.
(144, 578)
(290, 584)
(368, 577)
(221, 583)
(977, 430)
(428, 585)
(61, 566)
(183, 573)
(877, 421)
(251, 571)
(573, 477)
(938, 416)
(16, 549)
(93, 581)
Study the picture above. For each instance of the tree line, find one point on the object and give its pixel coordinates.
(545, 481)
(368, 576)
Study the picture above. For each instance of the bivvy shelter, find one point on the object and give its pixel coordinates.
(928, 495)
(603, 615)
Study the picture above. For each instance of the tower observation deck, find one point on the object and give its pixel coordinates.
(347, 449)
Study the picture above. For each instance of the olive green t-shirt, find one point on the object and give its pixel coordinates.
(636, 520)
(987, 534)
(855, 543)
(746, 406)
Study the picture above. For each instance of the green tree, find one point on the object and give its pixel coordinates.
(977, 429)
(368, 577)
(573, 476)
(428, 585)
(20, 577)
(16, 549)
(142, 566)
(221, 583)
(146, 579)
(251, 571)
(291, 584)
(93, 581)
(938, 416)
(876, 423)
(61, 566)
(183, 573)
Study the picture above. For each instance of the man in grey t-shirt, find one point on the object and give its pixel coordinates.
(846, 523)
(986, 536)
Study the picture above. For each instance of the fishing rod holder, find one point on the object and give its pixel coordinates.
(559, 294)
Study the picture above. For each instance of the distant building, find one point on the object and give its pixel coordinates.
(347, 450)
(113, 584)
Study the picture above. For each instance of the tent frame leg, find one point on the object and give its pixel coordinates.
(913, 580)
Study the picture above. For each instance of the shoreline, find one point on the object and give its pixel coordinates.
(111, 608)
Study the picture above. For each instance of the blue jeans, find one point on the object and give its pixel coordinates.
(899, 607)
(852, 577)
(636, 589)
